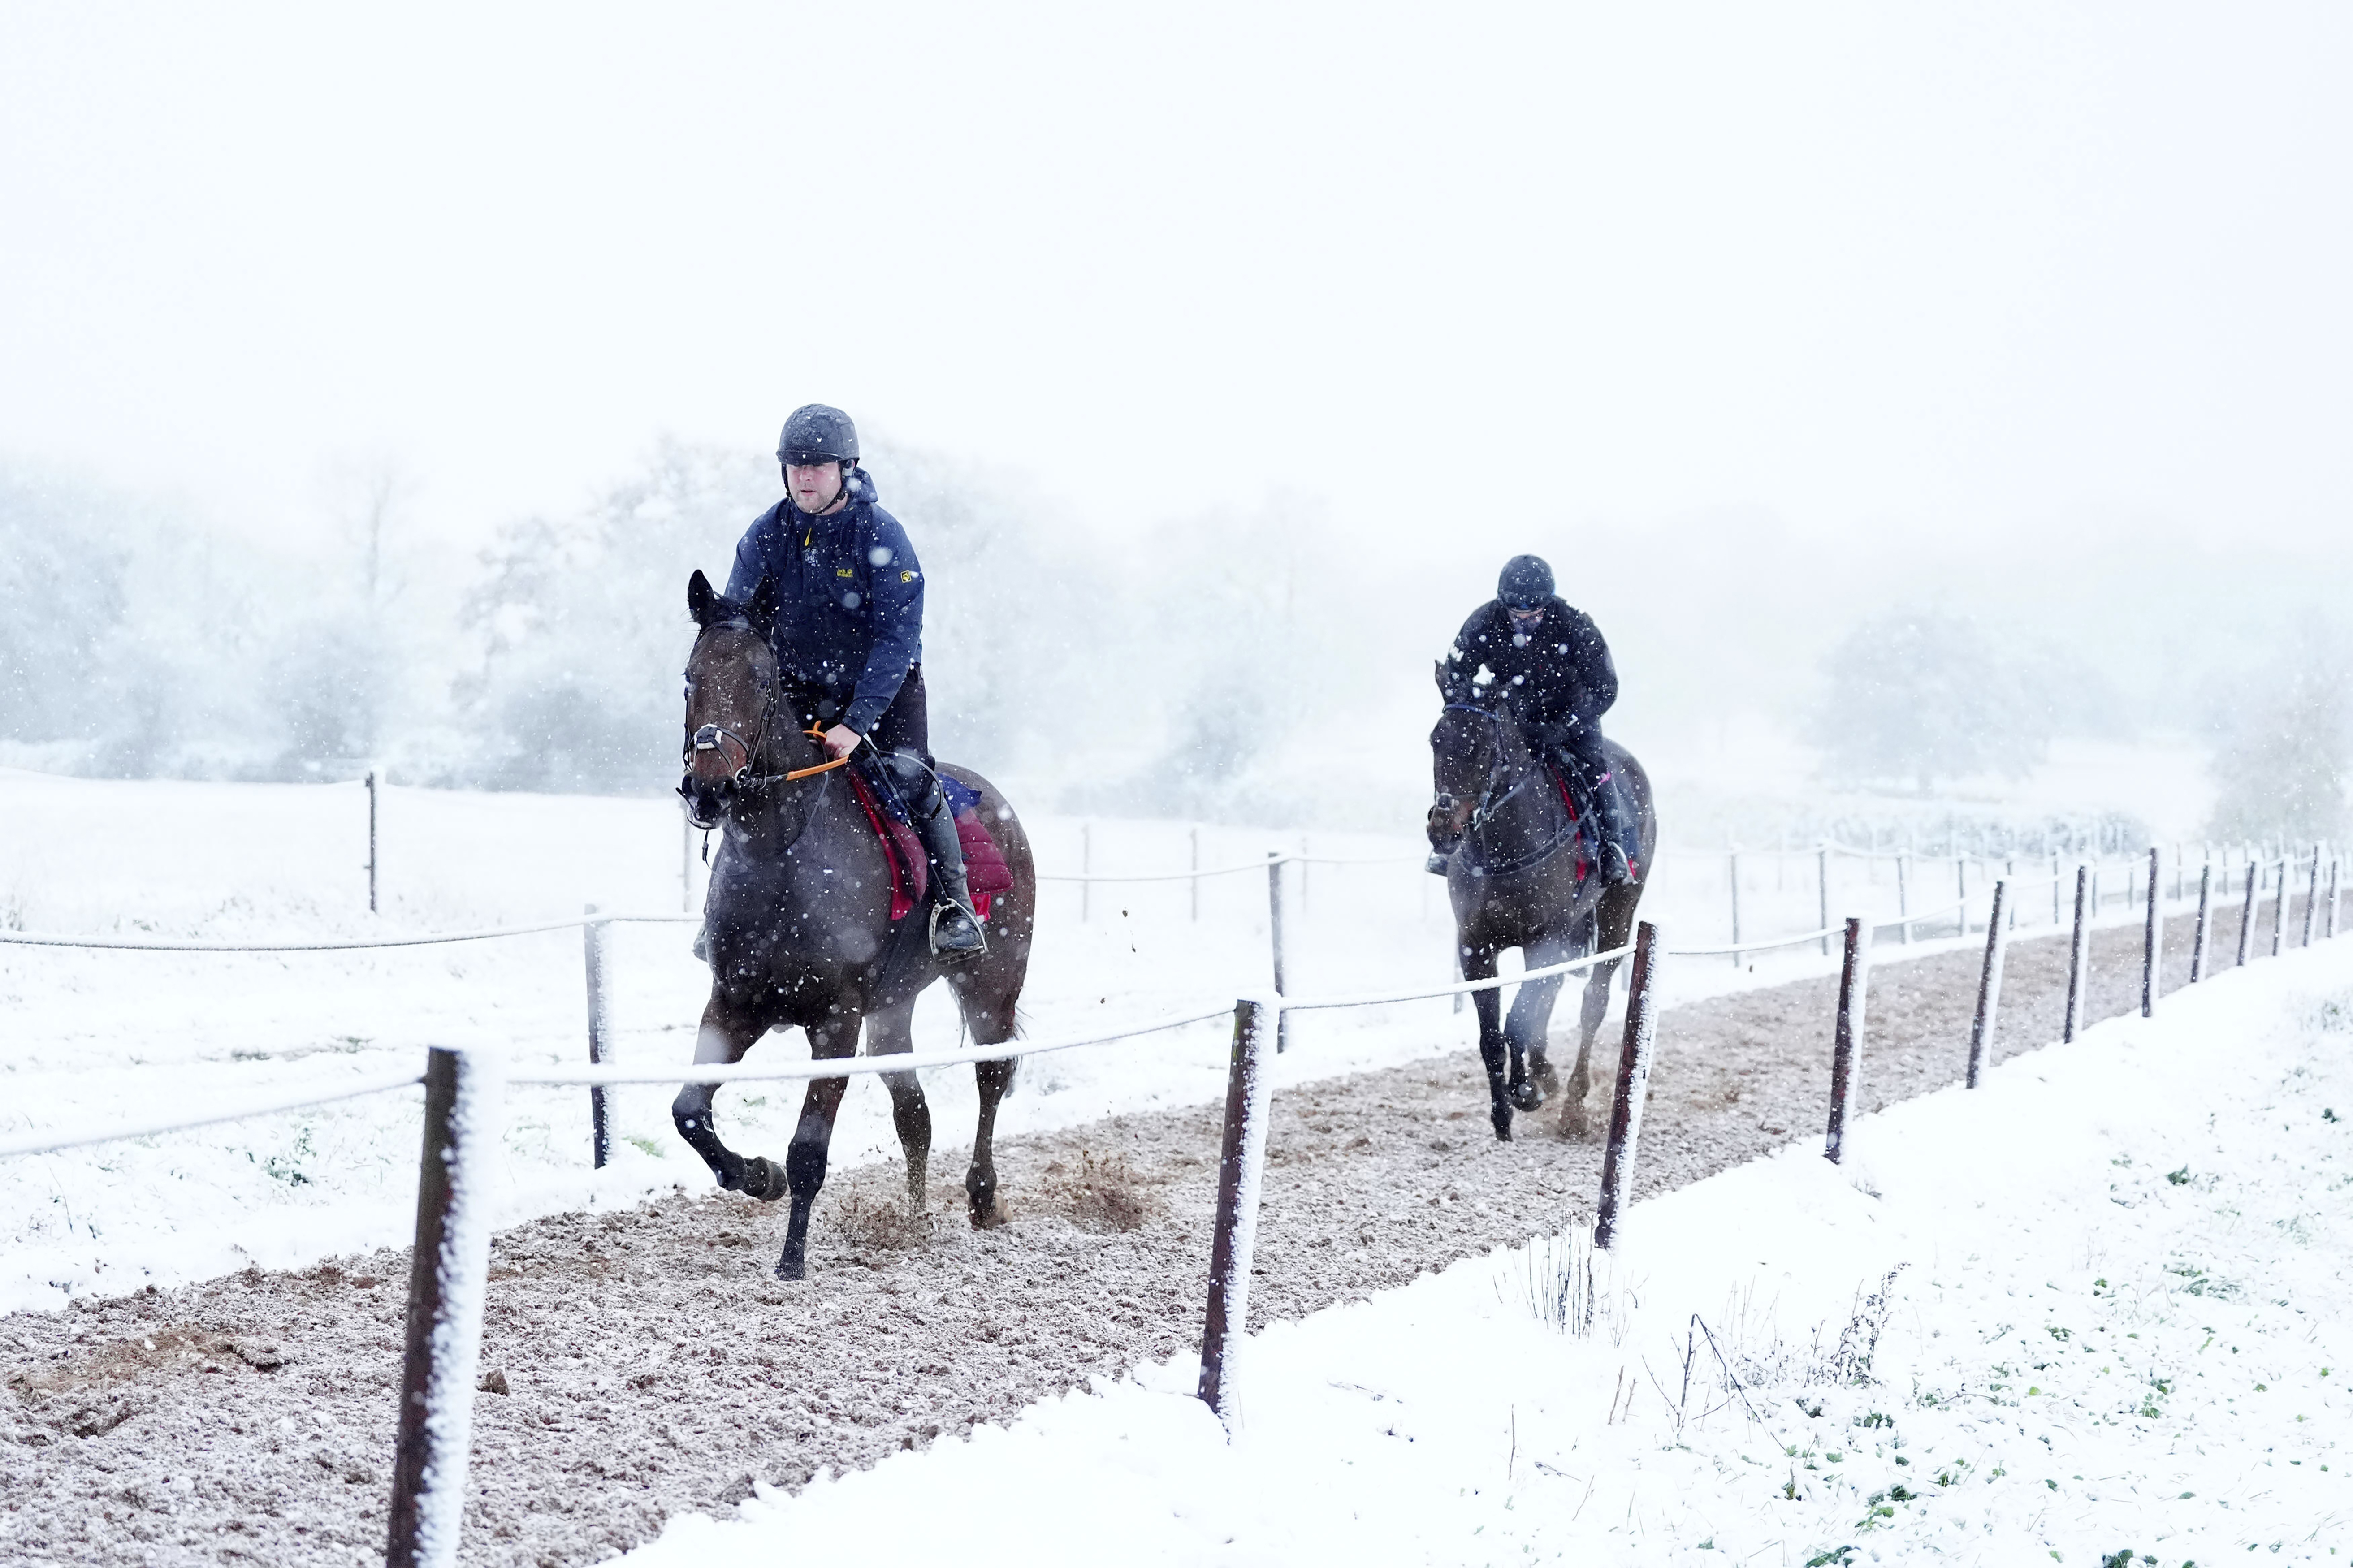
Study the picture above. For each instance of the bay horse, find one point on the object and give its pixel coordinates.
(1514, 876)
(799, 928)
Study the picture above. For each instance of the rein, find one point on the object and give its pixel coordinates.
(1484, 813)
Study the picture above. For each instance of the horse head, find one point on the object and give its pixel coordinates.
(1465, 747)
(733, 700)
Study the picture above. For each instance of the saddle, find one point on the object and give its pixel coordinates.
(1588, 848)
(985, 872)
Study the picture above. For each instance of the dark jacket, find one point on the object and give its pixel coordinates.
(849, 599)
(1560, 672)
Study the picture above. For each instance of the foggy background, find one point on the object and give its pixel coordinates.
(1940, 412)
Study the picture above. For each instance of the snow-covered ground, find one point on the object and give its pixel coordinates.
(2113, 1326)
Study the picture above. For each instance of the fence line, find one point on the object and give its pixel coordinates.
(50, 1143)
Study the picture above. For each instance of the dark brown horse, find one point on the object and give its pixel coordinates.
(1513, 877)
(799, 927)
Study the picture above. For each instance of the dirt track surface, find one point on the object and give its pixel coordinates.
(653, 1366)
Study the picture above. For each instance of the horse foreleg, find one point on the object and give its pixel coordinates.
(980, 1181)
(891, 1033)
(1479, 964)
(1573, 1121)
(1531, 1017)
(726, 1033)
(805, 1160)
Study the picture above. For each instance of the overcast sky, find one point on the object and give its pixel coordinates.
(1514, 271)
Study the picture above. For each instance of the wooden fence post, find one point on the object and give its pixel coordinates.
(2334, 863)
(370, 789)
(1197, 875)
(1633, 1084)
(2247, 916)
(2279, 912)
(2312, 899)
(1902, 899)
(1823, 880)
(447, 1276)
(2205, 924)
(1988, 986)
(2079, 954)
(685, 865)
(1086, 871)
(1854, 981)
(1734, 855)
(592, 961)
(1279, 939)
(2152, 937)
(1242, 1165)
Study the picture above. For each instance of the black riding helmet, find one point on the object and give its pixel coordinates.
(1526, 583)
(817, 433)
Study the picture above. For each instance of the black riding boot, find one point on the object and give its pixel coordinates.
(1615, 833)
(957, 936)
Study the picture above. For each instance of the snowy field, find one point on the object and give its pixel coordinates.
(103, 1038)
(2112, 1327)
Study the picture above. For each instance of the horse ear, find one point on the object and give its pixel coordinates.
(1437, 673)
(762, 611)
(699, 598)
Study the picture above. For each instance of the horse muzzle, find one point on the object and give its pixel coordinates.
(706, 801)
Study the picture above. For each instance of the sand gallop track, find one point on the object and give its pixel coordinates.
(653, 1366)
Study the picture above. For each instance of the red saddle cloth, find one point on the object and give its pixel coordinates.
(985, 872)
(1568, 800)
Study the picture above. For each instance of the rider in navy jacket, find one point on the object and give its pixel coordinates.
(1550, 672)
(848, 638)
(850, 600)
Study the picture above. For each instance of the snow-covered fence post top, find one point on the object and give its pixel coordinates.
(447, 1276)
(1633, 1084)
(1854, 980)
(1989, 987)
(1241, 1164)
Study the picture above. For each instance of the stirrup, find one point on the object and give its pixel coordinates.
(1616, 869)
(958, 952)
(1437, 864)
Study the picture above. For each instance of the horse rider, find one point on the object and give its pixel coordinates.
(848, 639)
(1550, 674)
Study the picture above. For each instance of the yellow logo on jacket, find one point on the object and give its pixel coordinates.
(906, 576)
(841, 571)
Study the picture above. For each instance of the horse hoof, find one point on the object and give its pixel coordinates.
(1526, 1096)
(791, 1268)
(764, 1178)
(1574, 1124)
(1503, 1124)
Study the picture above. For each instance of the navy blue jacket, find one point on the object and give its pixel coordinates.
(1560, 672)
(849, 599)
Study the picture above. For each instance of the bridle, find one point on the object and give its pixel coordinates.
(741, 752)
(1490, 803)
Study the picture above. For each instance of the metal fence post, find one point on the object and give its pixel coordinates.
(447, 1276)
(1278, 938)
(370, 789)
(2078, 953)
(1988, 986)
(2205, 924)
(2151, 939)
(1241, 1164)
(1854, 981)
(592, 957)
(1633, 1084)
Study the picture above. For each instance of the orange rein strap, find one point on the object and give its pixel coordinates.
(821, 767)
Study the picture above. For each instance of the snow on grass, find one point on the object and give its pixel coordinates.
(2095, 1313)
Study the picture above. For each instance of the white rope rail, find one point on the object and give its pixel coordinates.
(425, 938)
(1461, 987)
(846, 1066)
(49, 1142)
(1234, 870)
